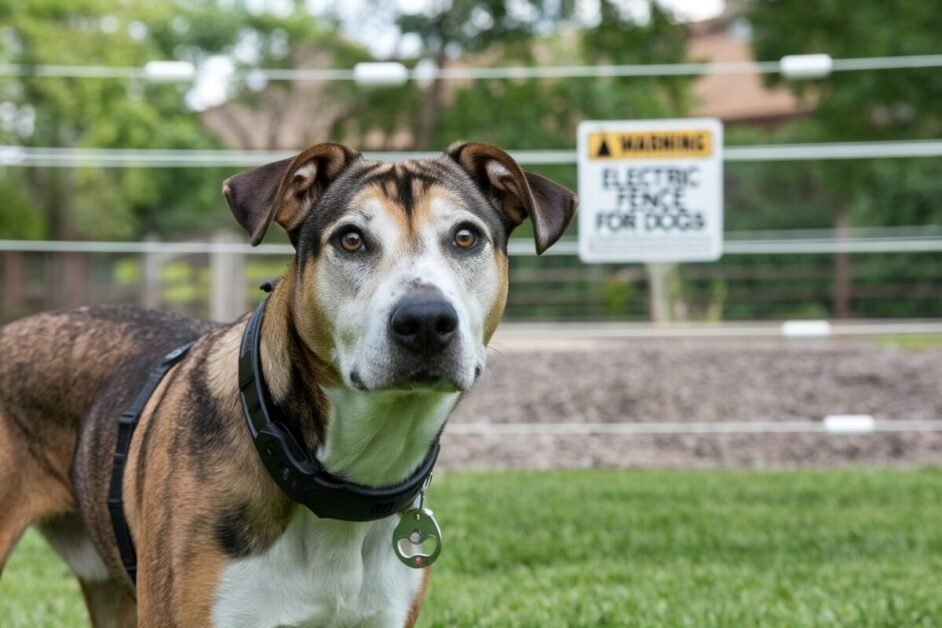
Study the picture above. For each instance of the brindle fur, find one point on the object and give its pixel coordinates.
(195, 493)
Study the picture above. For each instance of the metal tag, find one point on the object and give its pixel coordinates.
(417, 540)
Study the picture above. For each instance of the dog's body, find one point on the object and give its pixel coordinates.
(368, 341)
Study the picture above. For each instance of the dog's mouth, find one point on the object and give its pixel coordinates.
(422, 378)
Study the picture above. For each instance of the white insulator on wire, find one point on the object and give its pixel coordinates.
(380, 74)
(806, 329)
(169, 71)
(849, 424)
(800, 67)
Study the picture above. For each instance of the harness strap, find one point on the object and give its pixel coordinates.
(127, 422)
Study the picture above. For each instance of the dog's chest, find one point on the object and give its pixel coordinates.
(319, 573)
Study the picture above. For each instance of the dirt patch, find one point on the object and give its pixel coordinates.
(631, 381)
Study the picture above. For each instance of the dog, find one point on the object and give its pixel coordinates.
(363, 348)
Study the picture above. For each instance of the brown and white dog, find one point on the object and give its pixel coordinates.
(380, 324)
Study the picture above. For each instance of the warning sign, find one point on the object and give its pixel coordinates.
(650, 190)
(653, 145)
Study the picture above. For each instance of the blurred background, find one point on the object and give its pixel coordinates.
(816, 341)
(103, 140)
(120, 120)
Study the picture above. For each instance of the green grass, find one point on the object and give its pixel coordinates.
(646, 548)
(38, 590)
(909, 341)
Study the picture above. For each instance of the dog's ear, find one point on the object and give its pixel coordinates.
(521, 194)
(285, 190)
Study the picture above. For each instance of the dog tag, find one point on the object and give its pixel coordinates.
(417, 540)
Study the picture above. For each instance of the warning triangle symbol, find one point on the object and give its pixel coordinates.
(603, 150)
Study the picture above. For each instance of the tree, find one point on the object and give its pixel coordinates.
(120, 113)
(536, 112)
(290, 115)
(472, 27)
(853, 106)
(104, 112)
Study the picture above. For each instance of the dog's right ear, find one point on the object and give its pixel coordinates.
(521, 194)
(284, 191)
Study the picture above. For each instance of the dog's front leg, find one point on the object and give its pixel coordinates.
(178, 587)
(180, 563)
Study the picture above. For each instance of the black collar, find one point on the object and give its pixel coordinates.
(298, 472)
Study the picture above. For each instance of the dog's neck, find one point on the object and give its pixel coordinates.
(370, 438)
(291, 370)
(380, 438)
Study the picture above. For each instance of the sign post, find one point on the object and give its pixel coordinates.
(651, 191)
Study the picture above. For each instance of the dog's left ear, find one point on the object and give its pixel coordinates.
(549, 205)
(284, 191)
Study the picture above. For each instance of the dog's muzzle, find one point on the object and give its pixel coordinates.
(424, 339)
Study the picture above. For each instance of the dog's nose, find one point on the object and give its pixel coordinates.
(424, 326)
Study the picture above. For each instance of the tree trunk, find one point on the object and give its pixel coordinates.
(67, 274)
(843, 271)
(428, 112)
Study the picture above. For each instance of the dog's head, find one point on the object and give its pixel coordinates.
(401, 267)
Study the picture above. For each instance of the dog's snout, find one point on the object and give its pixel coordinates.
(423, 325)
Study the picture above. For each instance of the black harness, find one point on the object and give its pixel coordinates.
(295, 470)
(127, 422)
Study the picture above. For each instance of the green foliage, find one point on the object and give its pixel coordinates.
(19, 218)
(540, 113)
(885, 104)
(89, 112)
(619, 291)
(477, 25)
(848, 106)
(643, 548)
(856, 106)
(101, 113)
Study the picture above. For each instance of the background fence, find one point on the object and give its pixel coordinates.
(818, 266)
(770, 275)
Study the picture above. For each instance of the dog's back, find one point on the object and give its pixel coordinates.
(54, 367)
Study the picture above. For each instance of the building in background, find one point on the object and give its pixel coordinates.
(736, 98)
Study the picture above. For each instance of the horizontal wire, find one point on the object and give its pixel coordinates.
(49, 157)
(469, 73)
(733, 245)
(682, 428)
(583, 330)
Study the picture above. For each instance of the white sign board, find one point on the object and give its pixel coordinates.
(651, 190)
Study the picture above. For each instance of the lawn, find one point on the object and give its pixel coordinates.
(909, 341)
(646, 548)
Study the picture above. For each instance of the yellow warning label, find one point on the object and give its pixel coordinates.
(650, 144)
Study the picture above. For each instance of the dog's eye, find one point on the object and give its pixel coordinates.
(351, 240)
(466, 237)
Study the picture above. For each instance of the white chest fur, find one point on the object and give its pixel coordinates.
(320, 572)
